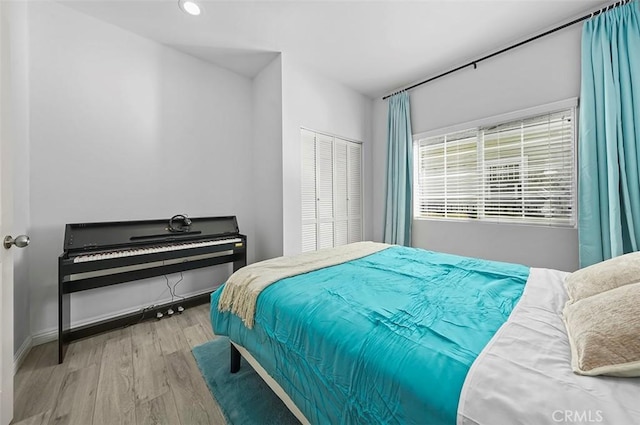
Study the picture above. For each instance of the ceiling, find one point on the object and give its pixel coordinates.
(371, 46)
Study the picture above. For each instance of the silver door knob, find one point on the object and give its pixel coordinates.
(21, 241)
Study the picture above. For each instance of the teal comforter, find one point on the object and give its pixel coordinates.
(388, 338)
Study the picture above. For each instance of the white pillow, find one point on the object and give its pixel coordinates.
(604, 332)
(603, 276)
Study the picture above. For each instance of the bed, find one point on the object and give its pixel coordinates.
(404, 335)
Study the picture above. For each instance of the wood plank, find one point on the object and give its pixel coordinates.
(27, 367)
(39, 392)
(77, 397)
(187, 318)
(170, 335)
(40, 381)
(196, 335)
(114, 396)
(119, 333)
(193, 400)
(158, 411)
(204, 312)
(39, 419)
(149, 366)
(85, 352)
(204, 318)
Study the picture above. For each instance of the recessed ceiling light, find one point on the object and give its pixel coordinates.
(189, 7)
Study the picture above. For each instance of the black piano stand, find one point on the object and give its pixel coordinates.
(66, 287)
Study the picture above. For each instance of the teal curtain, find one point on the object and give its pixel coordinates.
(609, 139)
(397, 212)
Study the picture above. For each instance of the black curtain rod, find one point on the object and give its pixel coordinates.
(506, 49)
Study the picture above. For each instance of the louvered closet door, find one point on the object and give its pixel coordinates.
(309, 219)
(331, 191)
(354, 191)
(324, 188)
(340, 193)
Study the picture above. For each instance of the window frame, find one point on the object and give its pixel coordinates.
(493, 121)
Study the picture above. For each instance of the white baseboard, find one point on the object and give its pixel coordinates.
(44, 337)
(21, 354)
(49, 335)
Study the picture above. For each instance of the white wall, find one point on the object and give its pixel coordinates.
(312, 101)
(123, 128)
(15, 136)
(544, 71)
(267, 161)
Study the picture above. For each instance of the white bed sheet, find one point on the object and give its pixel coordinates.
(524, 374)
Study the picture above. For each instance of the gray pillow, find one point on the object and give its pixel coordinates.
(603, 276)
(604, 332)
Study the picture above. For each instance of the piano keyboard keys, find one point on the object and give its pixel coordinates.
(151, 250)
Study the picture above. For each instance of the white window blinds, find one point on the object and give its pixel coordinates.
(521, 171)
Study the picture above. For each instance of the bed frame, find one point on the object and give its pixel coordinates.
(238, 351)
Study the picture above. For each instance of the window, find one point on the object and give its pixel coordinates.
(519, 171)
(331, 191)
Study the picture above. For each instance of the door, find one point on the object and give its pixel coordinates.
(324, 184)
(331, 191)
(6, 261)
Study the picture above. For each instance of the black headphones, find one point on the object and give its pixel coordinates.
(182, 227)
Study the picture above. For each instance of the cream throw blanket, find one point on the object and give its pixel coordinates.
(241, 291)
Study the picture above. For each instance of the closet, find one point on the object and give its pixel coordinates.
(331, 191)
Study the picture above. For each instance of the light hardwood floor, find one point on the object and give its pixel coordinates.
(143, 374)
